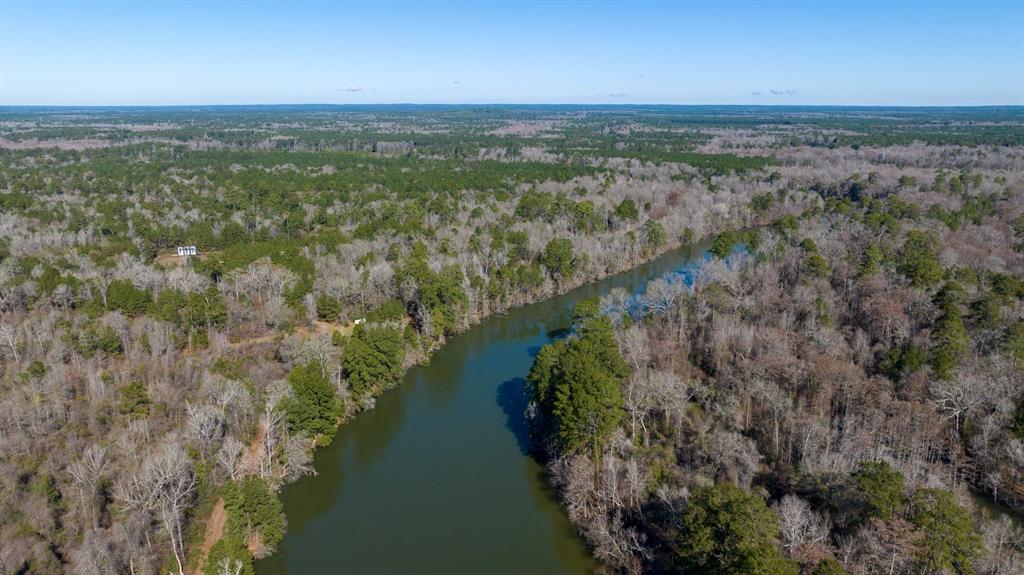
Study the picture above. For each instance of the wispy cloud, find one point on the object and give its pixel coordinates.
(617, 95)
(789, 92)
(352, 90)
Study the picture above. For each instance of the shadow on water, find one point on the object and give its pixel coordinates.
(512, 400)
(371, 432)
(559, 333)
(442, 378)
(326, 484)
(356, 448)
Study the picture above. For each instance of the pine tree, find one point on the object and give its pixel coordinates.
(881, 486)
(726, 530)
(576, 386)
(559, 259)
(951, 542)
(314, 407)
(919, 260)
(254, 511)
(373, 360)
(950, 341)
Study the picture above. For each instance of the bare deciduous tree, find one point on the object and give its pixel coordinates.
(162, 486)
(800, 526)
(230, 457)
(87, 474)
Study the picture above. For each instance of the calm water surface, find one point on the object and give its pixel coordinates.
(436, 479)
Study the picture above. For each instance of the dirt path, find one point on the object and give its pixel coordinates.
(214, 530)
(251, 459)
(254, 340)
(250, 465)
(218, 518)
(317, 329)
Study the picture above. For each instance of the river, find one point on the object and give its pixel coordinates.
(437, 479)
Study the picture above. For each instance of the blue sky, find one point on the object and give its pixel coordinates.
(683, 52)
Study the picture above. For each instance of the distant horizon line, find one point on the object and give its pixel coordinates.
(503, 105)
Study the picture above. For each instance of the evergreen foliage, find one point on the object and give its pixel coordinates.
(228, 551)
(559, 259)
(950, 341)
(829, 566)
(575, 384)
(327, 308)
(881, 486)
(253, 511)
(373, 360)
(919, 261)
(314, 407)
(722, 246)
(951, 542)
(726, 530)
(123, 296)
(627, 210)
(391, 310)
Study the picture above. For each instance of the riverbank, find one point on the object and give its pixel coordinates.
(438, 477)
(567, 285)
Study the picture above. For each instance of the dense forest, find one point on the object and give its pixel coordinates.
(838, 397)
(826, 401)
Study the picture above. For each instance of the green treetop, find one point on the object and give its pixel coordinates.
(560, 259)
(373, 359)
(627, 210)
(576, 385)
(727, 531)
(723, 244)
(254, 511)
(951, 543)
(314, 407)
(881, 486)
(919, 261)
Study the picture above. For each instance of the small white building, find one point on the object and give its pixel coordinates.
(187, 251)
